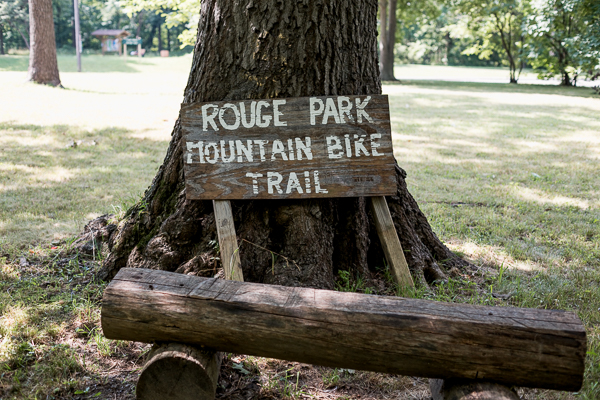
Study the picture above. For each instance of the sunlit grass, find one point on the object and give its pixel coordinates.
(54, 179)
(507, 175)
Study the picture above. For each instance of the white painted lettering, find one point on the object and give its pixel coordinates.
(348, 146)
(360, 110)
(293, 183)
(303, 147)
(318, 183)
(246, 150)
(215, 152)
(262, 121)
(375, 145)
(231, 151)
(315, 111)
(277, 113)
(236, 113)
(245, 123)
(359, 146)
(344, 107)
(307, 181)
(290, 143)
(254, 181)
(330, 111)
(273, 182)
(278, 148)
(261, 148)
(333, 145)
(209, 119)
(190, 147)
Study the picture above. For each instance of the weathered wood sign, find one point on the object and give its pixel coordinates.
(334, 146)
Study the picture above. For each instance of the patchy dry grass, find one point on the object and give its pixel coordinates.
(508, 176)
(54, 179)
(51, 344)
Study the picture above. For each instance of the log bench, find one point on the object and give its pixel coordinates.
(510, 346)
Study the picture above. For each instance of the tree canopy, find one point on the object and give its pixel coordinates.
(557, 38)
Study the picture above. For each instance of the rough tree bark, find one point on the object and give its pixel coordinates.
(387, 38)
(43, 66)
(252, 49)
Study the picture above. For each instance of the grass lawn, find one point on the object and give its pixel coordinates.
(507, 175)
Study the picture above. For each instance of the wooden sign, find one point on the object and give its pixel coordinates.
(334, 146)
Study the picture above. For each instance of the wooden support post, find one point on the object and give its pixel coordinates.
(390, 241)
(230, 255)
(176, 371)
(513, 346)
(465, 389)
(124, 50)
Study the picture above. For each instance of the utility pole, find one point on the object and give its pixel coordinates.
(77, 34)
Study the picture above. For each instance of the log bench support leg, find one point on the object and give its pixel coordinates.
(464, 389)
(177, 371)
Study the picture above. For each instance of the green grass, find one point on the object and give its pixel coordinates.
(98, 63)
(507, 175)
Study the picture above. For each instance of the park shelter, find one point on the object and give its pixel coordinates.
(111, 39)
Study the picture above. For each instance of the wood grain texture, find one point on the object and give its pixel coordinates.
(356, 160)
(523, 347)
(176, 371)
(228, 245)
(390, 241)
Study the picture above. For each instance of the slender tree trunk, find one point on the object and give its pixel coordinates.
(388, 32)
(253, 49)
(150, 39)
(160, 44)
(139, 24)
(1, 39)
(24, 38)
(169, 40)
(43, 65)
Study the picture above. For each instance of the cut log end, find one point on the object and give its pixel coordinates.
(462, 389)
(176, 371)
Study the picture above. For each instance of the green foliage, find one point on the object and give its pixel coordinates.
(565, 39)
(498, 28)
(14, 20)
(175, 13)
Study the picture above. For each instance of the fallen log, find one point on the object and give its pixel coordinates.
(176, 371)
(514, 346)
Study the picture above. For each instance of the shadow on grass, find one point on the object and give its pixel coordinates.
(48, 189)
(498, 87)
(68, 63)
(14, 63)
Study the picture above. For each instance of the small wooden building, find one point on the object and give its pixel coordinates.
(111, 39)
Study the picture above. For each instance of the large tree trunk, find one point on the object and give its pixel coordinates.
(387, 41)
(252, 49)
(43, 66)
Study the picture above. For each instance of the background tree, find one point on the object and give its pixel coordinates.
(254, 49)
(387, 38)
(500, 28)
(14, 18)
(43, 65)
(182, 14)
(560, 31)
